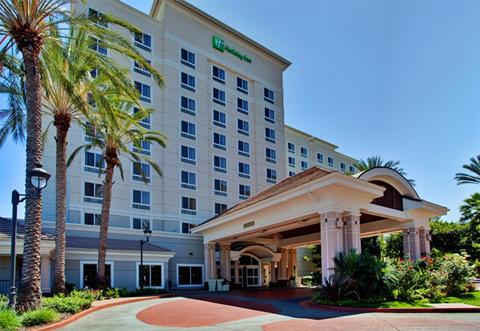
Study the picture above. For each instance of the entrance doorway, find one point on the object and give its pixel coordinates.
(249, 271)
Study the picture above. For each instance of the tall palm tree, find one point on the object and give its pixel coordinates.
(25, 25)
(473, 177)
(376, 161)
(116, 134)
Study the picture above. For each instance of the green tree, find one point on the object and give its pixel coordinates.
(470, 212)
(448, 237)
(473, 174)
(376, 162)
(117, 133)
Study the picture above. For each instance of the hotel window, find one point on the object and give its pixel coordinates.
(243, 127)
(88, 273)
(291, 161)
(187, 130)
(138, 68)
(320, 158)
(343, 167)
(143, 41)
(219, 119)
(304, 165)
(218, 74)
(271, 155)
(187, 58)
(303, 151)
(144, 148)
(190, 275)
(268, 95)
(243, 148)
(242, 85)
(97, 17)
(219, 141)
(243, 191)
(218, 96)
(271, 175)
(188, 180)
(97, 45)
(145, 91)
(152, 275)
(187, 105)
(141, 199)
(219, 164)
(186, 227)
(220, 208)
(220, 187)
(92, 219)
(242, 106)
(146, 121)
(330, 161)
(352, 169)
(187, 81)
(93, 192)
(291, 173)
(291, 147)
(187, 154)
(189, 206)
(141, 171)
(270, 135)
(94, 162)
(243, 170)
(269, 115)
(141, 223)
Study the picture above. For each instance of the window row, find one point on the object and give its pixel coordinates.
(188, 154)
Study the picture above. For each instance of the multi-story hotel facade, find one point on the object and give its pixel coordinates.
(222, 112)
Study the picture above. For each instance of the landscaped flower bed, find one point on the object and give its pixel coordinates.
(363, 280)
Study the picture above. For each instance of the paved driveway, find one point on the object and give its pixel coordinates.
(258, 310)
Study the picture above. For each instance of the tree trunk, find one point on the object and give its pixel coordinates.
(30, 294)
(62, 124)
(102, 242)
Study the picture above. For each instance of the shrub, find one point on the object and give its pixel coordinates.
(3, 302)
(9, 321)
(111, 293)
(39, 316)
(138, 292)
(335, 289)
(70, 304)
(458, 273)
(92, 295)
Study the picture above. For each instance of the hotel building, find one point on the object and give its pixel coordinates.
(222, 112)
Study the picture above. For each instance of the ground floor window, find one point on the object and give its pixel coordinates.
(88, 274)
(152, 275)
(190, 275)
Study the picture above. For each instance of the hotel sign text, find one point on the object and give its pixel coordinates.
(219, 44)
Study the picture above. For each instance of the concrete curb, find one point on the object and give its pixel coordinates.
(308, 304)
(91, 310)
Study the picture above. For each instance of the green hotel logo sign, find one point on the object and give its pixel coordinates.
(219, 44)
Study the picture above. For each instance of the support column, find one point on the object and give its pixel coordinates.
(45, 271)
(237, 272)
(411, 243)
(225, 261)
(273, 276)
(282, 268)
(424, 235)
(292, 263)
(209, 257)
(331, 228)
(352, 233)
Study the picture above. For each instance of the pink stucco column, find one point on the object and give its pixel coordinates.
(273, 274)
(282, 267)
(209, 258)
(331, 227)
(225, 261)
(424, 235)
(352, 232)
(411, 243)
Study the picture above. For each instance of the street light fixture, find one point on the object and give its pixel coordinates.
(39, 179)
(147, 233)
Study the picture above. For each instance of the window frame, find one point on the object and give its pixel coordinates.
(147, 263)
(190, 84)
(141, 205)
(141, 44)
(188, 211)
(187, 61)
(188, 185)
(219, 101)
(240, 87)
(190, 265)
(217, 78)
(219, 123)
(188, 160)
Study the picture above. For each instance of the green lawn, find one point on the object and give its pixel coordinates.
(472, 298)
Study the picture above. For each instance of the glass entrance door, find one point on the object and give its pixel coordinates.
(253, 275)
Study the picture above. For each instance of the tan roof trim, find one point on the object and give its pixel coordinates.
(307, 135)
(213, 20)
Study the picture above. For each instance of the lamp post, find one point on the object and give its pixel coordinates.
(39, 179)
(147, 233)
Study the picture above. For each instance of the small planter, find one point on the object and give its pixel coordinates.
(219, 284)
(212, 285)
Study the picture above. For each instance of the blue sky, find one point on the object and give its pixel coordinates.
(400, 79)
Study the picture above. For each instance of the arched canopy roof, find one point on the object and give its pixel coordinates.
(258, 250)
(392, 177)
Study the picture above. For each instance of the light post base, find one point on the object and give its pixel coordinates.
(12, 296)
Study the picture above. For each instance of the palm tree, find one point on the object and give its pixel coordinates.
(377, 161)
(470, 178)
(25, 26)
(116, 134)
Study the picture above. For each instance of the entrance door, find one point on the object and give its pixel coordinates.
(253, 275)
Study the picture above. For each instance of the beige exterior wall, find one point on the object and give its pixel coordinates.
(314, 147)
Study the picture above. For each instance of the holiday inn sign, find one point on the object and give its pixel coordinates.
(219, 44)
